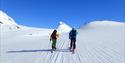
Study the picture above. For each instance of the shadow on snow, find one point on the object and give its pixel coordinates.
(40, 50)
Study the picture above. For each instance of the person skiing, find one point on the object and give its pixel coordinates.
(54, 37)
(72, 37)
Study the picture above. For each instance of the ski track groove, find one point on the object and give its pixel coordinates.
(45, 57)
(55, 52)
(107, 57)
(41, 54)
(76, 58)
(60, 43)
(68, 58)
(61, 48)
(79, 58)
(109, 54)
(62, 58)
(88, 54)
(97, 57)
(67, 55)
(111, 50)
(99, 53)
(102, 52)
(12, 61)
(106, 54)
(55, 55)
(51, 57)
(94, 56)
(38, 59)
(63, 42)
(73, 58)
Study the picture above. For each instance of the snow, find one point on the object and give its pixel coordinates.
(105, 44)
(5, 19)
(62, 27)
(103, 24)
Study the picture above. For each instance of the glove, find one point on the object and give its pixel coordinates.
(50, 39)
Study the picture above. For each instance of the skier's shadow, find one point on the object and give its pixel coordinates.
(40, 50)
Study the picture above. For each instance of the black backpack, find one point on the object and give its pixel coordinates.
(53, 35)
(73, 35)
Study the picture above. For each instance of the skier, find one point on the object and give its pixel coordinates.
(54, 37)
(72, 37)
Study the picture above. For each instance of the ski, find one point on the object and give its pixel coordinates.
(53, 50)
(71, 50)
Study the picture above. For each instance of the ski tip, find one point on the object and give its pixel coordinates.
(73, 52)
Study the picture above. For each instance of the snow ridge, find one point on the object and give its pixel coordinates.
(103, 24)
(62, 27)
(5, 19)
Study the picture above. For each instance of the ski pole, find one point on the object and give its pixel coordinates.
(49, 44)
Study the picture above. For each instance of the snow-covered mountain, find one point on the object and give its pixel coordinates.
(9, 22)
(103, 24)
(5, 19)
(97, 42)
(62, 27)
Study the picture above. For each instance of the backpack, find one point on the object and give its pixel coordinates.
(53, 35)
(73, 34)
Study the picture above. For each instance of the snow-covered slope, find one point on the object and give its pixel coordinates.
(7, 22)
(98, 42)
(5, 19)
(62, 27)
(93, 46)
(103, 24)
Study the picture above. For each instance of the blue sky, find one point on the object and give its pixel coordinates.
(47, 13)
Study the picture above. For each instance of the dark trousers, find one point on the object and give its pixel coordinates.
(73, 43)
(53, 43)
